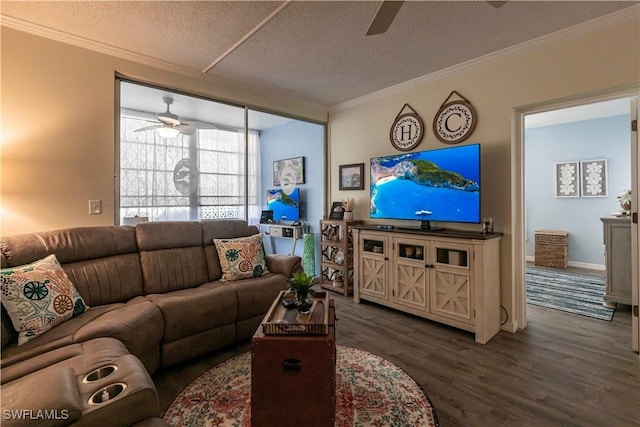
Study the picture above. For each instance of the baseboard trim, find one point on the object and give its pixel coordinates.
(577, 264)
(590, 266)
(511, 326)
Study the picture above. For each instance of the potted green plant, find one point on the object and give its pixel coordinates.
(300, 285)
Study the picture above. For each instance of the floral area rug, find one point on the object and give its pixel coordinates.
(370, 391)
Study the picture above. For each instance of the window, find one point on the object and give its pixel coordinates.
(206, 171)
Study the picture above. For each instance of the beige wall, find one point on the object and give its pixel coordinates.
(580, 63)
(58, 121)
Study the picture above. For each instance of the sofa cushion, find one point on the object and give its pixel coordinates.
(107, 280)
(82, 357)
(255, 295)
(139, 325)
(190, 311)
(153, 236)
(69, 245)
(39, 296)
(171, 255)
(102, 262)
(44, 398)
(241, 258)
(167, 270)
(59, 336)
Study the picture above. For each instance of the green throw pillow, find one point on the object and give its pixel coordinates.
(241, 258)
(39, 296)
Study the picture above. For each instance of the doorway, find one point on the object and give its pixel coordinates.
(576, 163)
(523, 239)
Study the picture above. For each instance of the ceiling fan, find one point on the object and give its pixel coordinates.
(169, 124)
(389, 9)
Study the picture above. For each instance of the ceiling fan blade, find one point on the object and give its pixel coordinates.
(497, 4)
(384, 17)
(187, 129)
(144, 128)
(196, 124)
(190, 127)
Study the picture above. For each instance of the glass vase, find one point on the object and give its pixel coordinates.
(304, 303)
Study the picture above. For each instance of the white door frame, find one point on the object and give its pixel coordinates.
(635, 229)
(518, 230)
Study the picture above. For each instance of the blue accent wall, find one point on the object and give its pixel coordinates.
(604, 138)
(295, 139)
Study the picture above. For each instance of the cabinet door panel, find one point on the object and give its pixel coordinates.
(410, 276)
(411, 285)
(374, 277)
(451, 295)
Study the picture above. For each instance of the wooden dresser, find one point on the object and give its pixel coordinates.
(617, 258)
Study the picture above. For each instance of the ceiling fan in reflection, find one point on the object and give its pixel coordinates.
(169, 125)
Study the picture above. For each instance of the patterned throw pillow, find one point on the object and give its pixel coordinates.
(241, 258)
(39, 296)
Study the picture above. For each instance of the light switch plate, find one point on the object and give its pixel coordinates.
(95, 207)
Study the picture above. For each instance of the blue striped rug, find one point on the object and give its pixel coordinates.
(569, 292)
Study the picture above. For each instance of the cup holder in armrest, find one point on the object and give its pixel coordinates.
(107, 393)
(99, 373)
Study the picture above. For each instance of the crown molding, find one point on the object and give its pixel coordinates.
(606, 21)
(64, 37)
(81, 42)
(609, 20)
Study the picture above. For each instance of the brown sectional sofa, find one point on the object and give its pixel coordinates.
(155, 295)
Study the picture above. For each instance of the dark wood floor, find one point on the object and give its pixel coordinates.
(563, 370)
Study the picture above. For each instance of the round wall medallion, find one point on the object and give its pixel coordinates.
(454, 122)
(185, 177)
(407, 131)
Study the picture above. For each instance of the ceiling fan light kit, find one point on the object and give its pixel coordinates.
(167, 131)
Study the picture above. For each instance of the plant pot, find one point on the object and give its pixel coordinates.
(626, 206)
(348, 215)
(304, 303)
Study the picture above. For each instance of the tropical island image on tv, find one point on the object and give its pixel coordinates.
(285, 207)
(434, 185)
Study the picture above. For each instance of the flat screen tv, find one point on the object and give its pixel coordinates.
(285, 207)
(434, 185)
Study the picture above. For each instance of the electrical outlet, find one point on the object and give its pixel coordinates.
(95, 207)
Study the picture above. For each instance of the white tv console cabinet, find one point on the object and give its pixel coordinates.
(448, 276)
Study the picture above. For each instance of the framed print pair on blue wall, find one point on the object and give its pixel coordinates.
(586, 178)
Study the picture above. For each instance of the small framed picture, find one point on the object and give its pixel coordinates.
(352, 176)
(593, 174)
(337, 211)
(288, 171)
(568, 179)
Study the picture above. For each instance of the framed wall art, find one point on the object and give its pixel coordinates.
(455, 121)
(568, 179)
(352, 176)
(593, 181)
(288, 171)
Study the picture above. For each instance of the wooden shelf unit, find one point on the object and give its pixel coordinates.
(336, 255)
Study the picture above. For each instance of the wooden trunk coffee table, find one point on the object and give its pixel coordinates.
(293, 378)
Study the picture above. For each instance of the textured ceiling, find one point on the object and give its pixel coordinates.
(314, 50)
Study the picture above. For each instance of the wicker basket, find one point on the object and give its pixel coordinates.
(551, 247)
